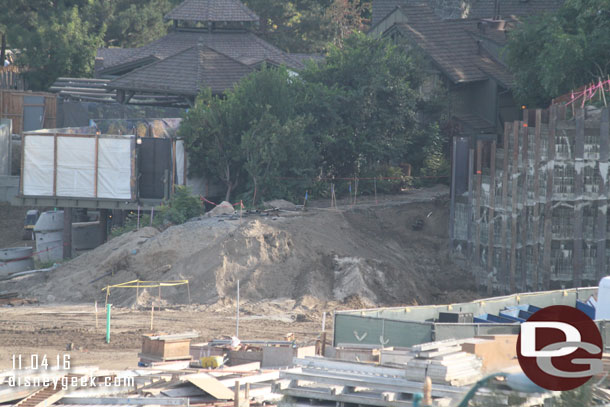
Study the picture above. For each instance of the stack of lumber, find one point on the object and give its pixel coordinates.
(329, 380)
(214, 386)
(187, 387)
(357, 353)
(444, 362)
(396, 356)
(497, 352)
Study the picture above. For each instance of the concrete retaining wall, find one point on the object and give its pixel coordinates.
(9, 187)
(5, 146)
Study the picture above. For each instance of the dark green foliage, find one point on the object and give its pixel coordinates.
(581, 396)
(181, 207)
(252, 137)
(552, 54)
(276, 134)
(366, 93)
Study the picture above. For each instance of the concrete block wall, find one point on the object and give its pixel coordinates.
(536, 207)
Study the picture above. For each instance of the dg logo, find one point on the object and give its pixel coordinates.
(560, 348)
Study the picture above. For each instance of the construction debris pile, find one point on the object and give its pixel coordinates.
(229, 372)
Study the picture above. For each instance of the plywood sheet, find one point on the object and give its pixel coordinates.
(211, 386)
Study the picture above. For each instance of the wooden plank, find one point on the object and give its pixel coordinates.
(55, 165)
(96, 158)
(257, 378)
(362, 368)
(50, 106)
(470, 202)
(13, 394)
(579, 149)
(174, 166)
(356, 398)
(210, 385)
(602, 202)
(523, 170)
(548, 207)
(477, 207)
(405, 386)
(133, 182)
(536, 220)
(503, 277)
(515, 182)
(436, 345)
(137, 401)
(491, 217)
(23, 138)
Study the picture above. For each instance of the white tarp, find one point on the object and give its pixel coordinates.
(38, 159)
(114, 168)
(76, 167)
(180, 163)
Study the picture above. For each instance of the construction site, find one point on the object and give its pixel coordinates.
(137, 268)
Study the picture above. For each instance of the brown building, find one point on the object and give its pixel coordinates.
(211, 45)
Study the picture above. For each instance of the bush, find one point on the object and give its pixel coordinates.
(181, 207)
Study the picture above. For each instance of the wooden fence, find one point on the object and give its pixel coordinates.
(11, 77)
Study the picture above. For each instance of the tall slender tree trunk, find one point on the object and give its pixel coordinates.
(228, 193)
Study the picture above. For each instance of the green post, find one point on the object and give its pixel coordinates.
(108, 322)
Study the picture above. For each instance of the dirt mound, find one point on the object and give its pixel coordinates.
(365, 256)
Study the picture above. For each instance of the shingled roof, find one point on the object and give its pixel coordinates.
(185, 73)
(212, 11)
(448, 44)
(242, 46)
(474, 9)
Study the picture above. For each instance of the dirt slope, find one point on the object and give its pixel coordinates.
(368, 255)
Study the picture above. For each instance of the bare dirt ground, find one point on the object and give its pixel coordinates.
(292, 266)
(48, 330)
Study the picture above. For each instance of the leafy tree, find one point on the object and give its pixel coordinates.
(367, 92)
(552, 54)
(354, 115)
(211, 137)
(63, 46)
(251, 137)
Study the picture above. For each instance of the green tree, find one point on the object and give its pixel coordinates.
(211, 136)
(64, 45)
(252, 136)
(365, 96)
(552, 54)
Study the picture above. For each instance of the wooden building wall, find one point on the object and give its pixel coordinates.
(12, 106)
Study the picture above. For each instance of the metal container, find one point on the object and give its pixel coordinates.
(15, 259)
(85, 236)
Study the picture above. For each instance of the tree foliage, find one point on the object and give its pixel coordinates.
(552, 54)
(252, 137)
(352, 116)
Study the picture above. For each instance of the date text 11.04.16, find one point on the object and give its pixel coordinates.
(41, 362)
